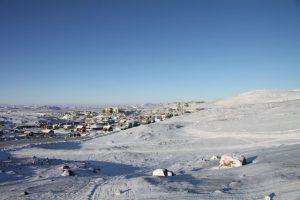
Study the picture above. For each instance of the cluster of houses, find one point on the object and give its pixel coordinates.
(85, 123)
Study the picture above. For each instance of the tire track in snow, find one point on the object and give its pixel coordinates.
(109, 188)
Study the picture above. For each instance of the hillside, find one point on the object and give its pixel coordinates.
(261, 125)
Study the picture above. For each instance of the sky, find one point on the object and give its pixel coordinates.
(110, 52)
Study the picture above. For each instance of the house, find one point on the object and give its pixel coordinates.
(158, 119)
(96, 127)
(25, 126)
(81, 128)
(116, 110)
(67, 117)
(126, 125)
(108, 110)
(56, 126)
(108, 120)
(48, 132)
(67, 126)
(28, 133)
(175, 114)
(75, 134)
(166, 116)
(46, 126)
(146, 121)
(107, 128)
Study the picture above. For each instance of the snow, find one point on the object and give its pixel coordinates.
(261, 125)
(261, 96)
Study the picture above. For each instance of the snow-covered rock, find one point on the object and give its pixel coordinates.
(270, 196)
(232, 160)
(25, 193)
(67, 172)
(64, 167)
(170, 173)
(215, 157)
(162, 172)
(118, 192)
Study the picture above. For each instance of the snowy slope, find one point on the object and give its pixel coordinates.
(266, 131)
(261, 96)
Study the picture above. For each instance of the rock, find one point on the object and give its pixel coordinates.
(170, 173)
(67, 172)
(25, 193)
(162, 172)
(269, 197)
(233, 160)
(64, 167)
(215, 157)
(118, 192)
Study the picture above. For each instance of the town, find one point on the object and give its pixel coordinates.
(17, 124)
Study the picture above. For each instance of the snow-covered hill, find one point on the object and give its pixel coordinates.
(261, 96)
(262, 125)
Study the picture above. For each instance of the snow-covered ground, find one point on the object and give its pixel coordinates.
(264, 126)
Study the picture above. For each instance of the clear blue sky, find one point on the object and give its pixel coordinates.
(95, 52)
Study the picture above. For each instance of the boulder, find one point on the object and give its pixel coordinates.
(162, 172)
(232, 160)
(67, 172)
(118, 192)
(270, 196)
(64, 167)
(215, 157)
(170, 173)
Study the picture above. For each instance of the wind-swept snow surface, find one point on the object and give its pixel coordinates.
(261, 96)
(261, 125)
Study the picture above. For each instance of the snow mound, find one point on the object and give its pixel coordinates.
(261, 96)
